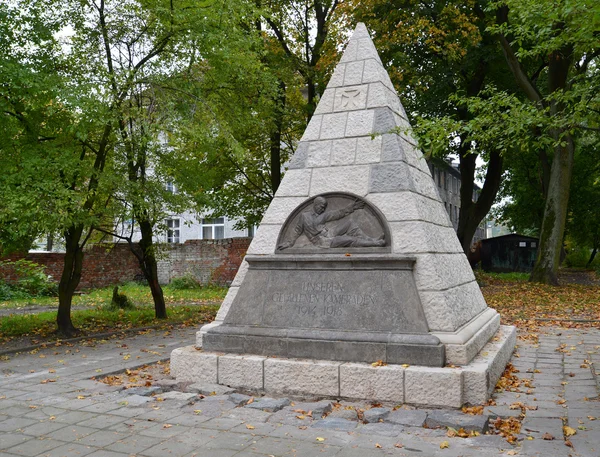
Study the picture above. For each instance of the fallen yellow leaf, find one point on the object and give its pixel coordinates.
(569, 431)
(250, 427)
(444, 445)
(320, 439)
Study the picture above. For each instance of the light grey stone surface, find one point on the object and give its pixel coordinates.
(433, 386)
(308, 377)
(190, 364)
(319, 154)
(265, 239)
(461, 354)
(368, 150)
(454, 305)
(337, 78)
(280, 208)
(326, 102)
(457, 420)
(353, 74)
(268, 404)
(353, 178)
(298, 160)
(409, 418)
(361, 380)
(334, 125)
(343, 151)
(417, 237)
(210, 389)
(313, 128)
(295, 183)
(359, 123)
(224, 309)
(241, 371)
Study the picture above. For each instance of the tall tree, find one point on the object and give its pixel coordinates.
(552, 52)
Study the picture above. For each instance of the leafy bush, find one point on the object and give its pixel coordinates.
(31, 281)
(186, 281)
(578, 257)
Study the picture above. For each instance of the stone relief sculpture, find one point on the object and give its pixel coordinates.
(316, 224)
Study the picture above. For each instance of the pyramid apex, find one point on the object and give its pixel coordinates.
(360, 31)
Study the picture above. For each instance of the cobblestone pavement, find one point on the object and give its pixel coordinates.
(49, 406)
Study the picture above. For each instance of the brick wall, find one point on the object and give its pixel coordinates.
(209, 261)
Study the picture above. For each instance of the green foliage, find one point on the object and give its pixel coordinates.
(138, 294)
(185, 282)
(578, 257)
(31, 281)
(42, 325)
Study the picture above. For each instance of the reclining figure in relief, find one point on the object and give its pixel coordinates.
(343, 234)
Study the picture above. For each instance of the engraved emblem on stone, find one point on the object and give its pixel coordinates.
(333, 221)
(350, 98)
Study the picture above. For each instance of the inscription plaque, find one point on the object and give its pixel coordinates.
(330, 306)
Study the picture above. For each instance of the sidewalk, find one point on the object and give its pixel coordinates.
(50, 407)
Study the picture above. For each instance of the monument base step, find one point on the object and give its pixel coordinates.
(415, 385)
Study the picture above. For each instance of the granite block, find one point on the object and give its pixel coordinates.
(362, 380)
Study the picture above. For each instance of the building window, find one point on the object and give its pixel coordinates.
(456, 213)
(172, 230)
(455, 185)
(445, 179)
(213, 229)
(251, 231)
(533, 244)
(170, 187)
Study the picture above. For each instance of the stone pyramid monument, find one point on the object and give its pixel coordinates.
(355, 261)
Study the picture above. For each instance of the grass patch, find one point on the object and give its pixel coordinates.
(99, 320)
(138, 294)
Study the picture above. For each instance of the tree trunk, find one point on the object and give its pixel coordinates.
(69, 280)
(592, 257)
(555, 215)
(275, 138)
(148, 264)
(545, 269)
(472, 213)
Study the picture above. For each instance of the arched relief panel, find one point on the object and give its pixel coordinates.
(335, 222)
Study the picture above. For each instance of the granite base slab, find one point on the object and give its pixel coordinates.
(437, 387)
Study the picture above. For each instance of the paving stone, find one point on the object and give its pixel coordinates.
(375, 415)
(143, 391)
(287, 416)
(318, 409)
(133, 445)
(536, 427)
(239, 399)
(380, 428)
(269, 404)
(457, 420)
(345, 413)
(136, 400)
(178, 396)
(409, 418)
(35, 447)
(210, 389)
(43, 428)
(335, 423)
(502, 411)
(248, 415)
